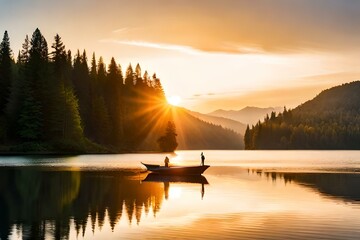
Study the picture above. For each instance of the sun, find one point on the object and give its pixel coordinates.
(174, 100)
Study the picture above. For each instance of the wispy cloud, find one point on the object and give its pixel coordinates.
(242, 49)
(171, 47)
(120, 30)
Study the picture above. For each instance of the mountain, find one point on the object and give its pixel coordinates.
(247, 115)
(224, 122)
(194, 133)
(329, 121)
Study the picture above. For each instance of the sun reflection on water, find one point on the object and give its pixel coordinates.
(175, 192)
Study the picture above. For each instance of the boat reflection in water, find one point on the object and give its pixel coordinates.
(176, 170)
(166, 179)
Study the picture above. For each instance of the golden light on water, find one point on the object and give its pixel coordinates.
(175, 192)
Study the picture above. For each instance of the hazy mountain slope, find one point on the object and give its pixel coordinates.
(247, 115)
(224, 122)
(329, 121)
(194, 133)
(343, 98)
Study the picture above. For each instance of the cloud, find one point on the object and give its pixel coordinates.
(120, 30)
(282, 26)
(179, 48)
(231, 26)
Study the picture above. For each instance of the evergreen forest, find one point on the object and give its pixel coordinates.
(52, 101)
(329, 121)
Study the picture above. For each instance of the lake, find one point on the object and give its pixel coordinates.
(243, 195)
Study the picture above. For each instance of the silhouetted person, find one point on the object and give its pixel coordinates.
(202, 159)
(166, 161)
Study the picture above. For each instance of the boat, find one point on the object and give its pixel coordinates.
(154, 177)
(176, 170)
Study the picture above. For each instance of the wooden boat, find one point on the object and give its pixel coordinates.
(176, 170)
(154, 177)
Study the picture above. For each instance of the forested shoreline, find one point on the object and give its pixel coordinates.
(52, 101)
(329, 121)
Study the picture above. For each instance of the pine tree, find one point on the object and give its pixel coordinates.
(58, 56)
(168, 143)
(138, 78)
(25, 51)
(129, 76)
(17, 92)
(159, 91)
(93, 70)
(138, 71)
(101, 75)
(130, 108)
(64, 116)
(37, 70)
(39, 47)
(35, 92)
(147, 79)
(90, 129)
(57, 96)
(247, 138)
(82, 88)
(113, 96)
(5, 71)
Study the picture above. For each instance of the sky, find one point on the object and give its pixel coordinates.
(213, 54)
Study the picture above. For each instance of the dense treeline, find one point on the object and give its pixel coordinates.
(329, 121)
(51, 101)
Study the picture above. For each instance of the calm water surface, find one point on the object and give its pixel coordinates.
(243, 195)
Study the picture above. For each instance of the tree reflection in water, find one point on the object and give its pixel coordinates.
(339, 185)
(38, 200)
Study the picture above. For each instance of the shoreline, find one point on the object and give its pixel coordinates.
(77, 153)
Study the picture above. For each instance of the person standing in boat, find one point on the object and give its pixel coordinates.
(202, 159)
(166, 161)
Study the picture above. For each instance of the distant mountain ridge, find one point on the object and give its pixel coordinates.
(329, 121)
(247, 115)
(224, 122)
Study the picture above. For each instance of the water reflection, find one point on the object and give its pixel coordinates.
(166, 179)
(35, 201)
(344, 186)
(39, 203)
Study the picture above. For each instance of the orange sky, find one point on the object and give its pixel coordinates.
(213, 54)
